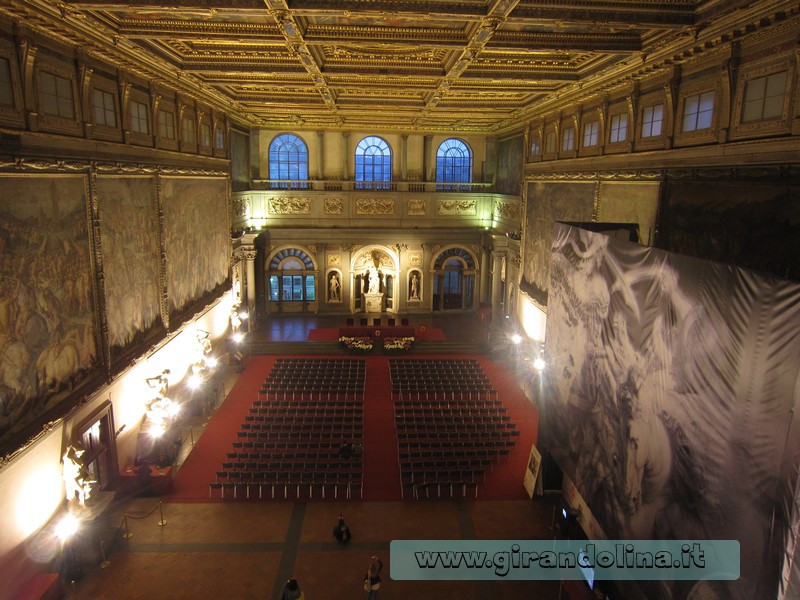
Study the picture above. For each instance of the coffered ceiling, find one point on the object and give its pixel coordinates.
(481, 66)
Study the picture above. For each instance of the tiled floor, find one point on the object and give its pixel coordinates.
(248, 550)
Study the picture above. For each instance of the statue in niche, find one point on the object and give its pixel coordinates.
(334, 288)
(414, 287)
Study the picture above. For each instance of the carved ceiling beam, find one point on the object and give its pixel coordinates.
(479, 36)
(292, 31)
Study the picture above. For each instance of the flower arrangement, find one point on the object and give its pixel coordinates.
(356, 345)
(398, 344)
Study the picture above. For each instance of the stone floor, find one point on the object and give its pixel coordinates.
(248, 550)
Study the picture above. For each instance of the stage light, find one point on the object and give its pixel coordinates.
(243, 315)
(539, 364)
(238, 337)
(66, 527)
(195, 381)
(212, 362)
(516, 338)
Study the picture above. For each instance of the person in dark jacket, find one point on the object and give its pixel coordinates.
(341, 531)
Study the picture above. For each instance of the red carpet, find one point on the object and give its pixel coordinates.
(426, 334)
(381, 469)
(199, 468)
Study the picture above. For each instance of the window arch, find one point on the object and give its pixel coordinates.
(453, 165)
(373, 164)
(292, 277)
(454, 280)
(454, 252)
(288, 162)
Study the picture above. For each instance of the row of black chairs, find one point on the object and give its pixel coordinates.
(237, 459)
(307, 401)
(252, 484)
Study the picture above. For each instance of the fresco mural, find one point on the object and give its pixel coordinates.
(755, 226)
(196, 237)
(669, 395)
(47, 305)
(130, 250)
(549, 201)
(510, 156)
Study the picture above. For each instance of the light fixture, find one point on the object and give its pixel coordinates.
(539, 364)
(66, 527)
(516, 338)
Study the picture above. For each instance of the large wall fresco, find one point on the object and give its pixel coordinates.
(47, 305)
(547, 202)
(620, 202)
(196, 238)
(669, 395)
(509, 166)
(755, 226)
(130, 251)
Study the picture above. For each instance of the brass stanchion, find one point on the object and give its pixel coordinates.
(105, 562)
(191, 434)
(162, 522)
(127, 535)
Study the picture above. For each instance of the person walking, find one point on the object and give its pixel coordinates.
(292, 591)
(341, 531)
(372, 580)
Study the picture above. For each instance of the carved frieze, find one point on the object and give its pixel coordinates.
(290, 206)
(458, 207)
(506, 210)
(416, 207)
(241, 207)
(333, 206)
(375, 206)
(334, 260)
(415, 260)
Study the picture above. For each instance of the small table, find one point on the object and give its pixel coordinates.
(160, 480)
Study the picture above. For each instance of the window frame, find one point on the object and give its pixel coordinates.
(386, 165)
(446, 164)
(187, 129)
(106, 107)
(57, 123)
(568, 139)
(105, 85)
(649, 101)
(139, 96)
(684, 137)
(614, 128)
(778, 125)
(593, 135)
(12, 114)
(137, 117)
(550, 150)
(280, 163)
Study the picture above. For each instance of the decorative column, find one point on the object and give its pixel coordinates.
(497, 265)
(345, 156)
(404, 157)
(320, 155)
(426, 157)
(483, 295)
(250, 260)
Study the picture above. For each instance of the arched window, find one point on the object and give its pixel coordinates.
(373, 164)
(292, 278)
(288, 163)
(454, 281)
(453, 165)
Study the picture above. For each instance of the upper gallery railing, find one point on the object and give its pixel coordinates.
(371, 186)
